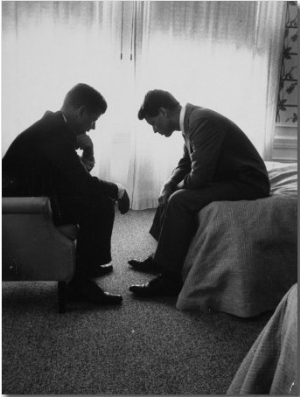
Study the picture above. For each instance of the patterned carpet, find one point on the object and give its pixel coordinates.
(142, 347)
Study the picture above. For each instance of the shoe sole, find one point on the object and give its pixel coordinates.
(149, 294)
(141, 267)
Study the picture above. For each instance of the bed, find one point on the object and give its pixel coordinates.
(270, 367)
(243, 258)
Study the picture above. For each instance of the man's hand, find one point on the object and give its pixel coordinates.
(165, 193)
(85, 143)
(124, 203)
(180, 185)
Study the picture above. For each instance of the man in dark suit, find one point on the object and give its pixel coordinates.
(219, 163)
(42, 161)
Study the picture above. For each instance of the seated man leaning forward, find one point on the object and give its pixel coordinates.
(219, 163)
(42, 161)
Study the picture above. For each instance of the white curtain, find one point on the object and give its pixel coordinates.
(222, 55)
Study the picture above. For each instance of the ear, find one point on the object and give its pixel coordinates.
(164, 112)
(81, 110)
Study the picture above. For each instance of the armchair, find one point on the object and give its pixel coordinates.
(33, 249)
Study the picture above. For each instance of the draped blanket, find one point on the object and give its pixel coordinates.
(243, 258)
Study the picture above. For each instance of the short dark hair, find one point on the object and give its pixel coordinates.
(154, 100)
(85, 95)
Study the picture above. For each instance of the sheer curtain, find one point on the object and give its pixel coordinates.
(223, 55)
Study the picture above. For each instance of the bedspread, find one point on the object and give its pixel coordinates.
(243, 258)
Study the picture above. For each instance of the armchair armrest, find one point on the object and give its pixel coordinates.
(26, 205)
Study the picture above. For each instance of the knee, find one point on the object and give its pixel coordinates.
(98, 209)
(177, 198)
(106, 206)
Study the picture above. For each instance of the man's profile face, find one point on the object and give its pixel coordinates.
(160, 123)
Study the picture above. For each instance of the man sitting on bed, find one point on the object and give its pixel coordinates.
(42, 161)
(219, 163)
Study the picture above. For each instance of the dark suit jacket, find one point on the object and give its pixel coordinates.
(215, 150)
(42, 160)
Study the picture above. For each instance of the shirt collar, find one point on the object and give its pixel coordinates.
(181, 119)
(64, 117)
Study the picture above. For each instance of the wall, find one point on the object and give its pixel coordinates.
(285, 138)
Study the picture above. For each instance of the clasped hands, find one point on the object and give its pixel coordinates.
(168, 189)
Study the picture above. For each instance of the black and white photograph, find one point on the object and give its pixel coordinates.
(149, 197)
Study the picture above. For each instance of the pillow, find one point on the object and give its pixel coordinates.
(283, 178)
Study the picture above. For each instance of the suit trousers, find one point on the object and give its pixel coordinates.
(95, 217)
(175, 224)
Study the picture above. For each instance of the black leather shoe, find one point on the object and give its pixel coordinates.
(88, 290)
(145, 266)
(101, 270)
(159, 286)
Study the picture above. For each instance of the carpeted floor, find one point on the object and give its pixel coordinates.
(142, 347)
